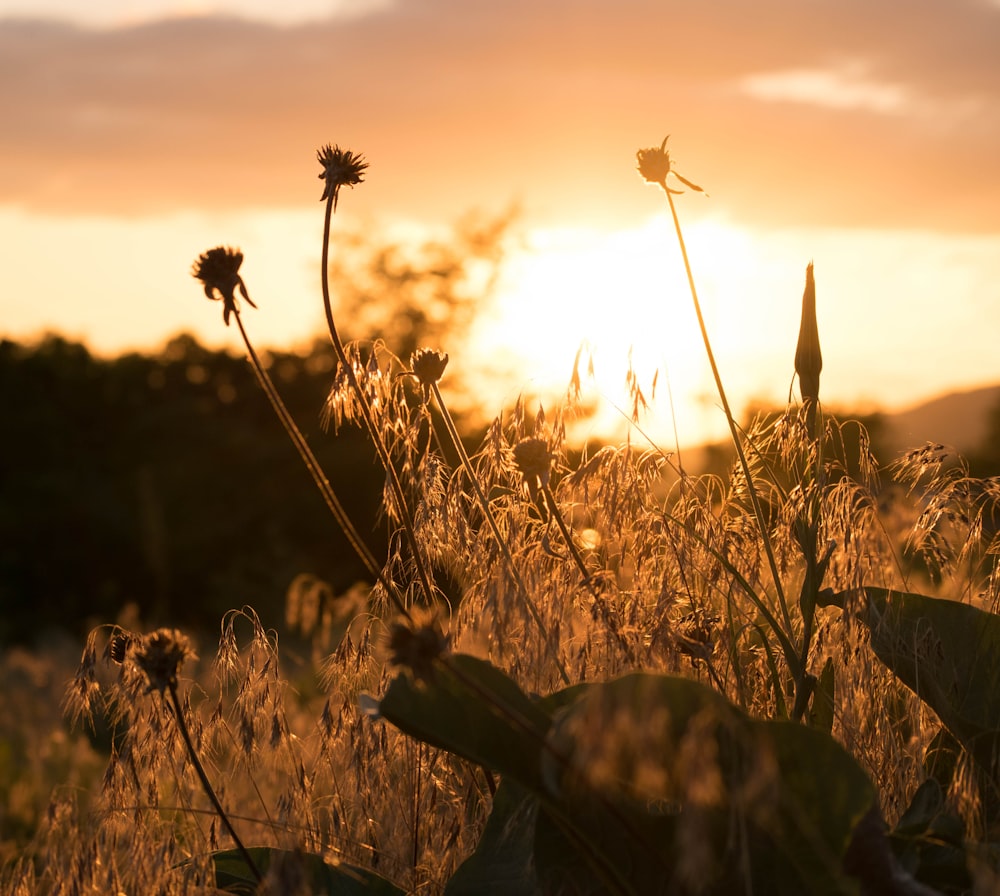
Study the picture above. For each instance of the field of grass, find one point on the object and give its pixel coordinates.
(604, 676)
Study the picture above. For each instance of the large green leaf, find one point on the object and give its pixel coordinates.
(472, 709)
(948, 653)
(233, 874)
(646, 784)
(688, 794)
(503, 863)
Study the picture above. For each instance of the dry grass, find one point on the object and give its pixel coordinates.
(678, 576)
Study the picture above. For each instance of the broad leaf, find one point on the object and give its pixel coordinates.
(948, 653)
(233, 874)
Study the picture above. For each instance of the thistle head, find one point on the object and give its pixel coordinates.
(417, 647)
(534, 460)
(341, 168)
(655, 166)
(160, 656)
(219, 271)
(654, 163)
(427, 366)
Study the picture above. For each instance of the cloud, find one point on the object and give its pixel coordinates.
(790, 113)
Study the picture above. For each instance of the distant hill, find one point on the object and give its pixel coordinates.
(957, 419)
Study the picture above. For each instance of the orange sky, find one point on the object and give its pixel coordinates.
(816, 127)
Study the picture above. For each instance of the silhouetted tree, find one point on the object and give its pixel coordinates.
(424, 294)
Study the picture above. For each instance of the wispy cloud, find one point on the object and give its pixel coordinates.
(844, 87)
(832, 113)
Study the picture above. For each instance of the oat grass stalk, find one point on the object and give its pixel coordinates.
(345, 168)
(656, 166)
(431, 386)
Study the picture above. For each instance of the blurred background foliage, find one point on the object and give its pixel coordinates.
(164, 483)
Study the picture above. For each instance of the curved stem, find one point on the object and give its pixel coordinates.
(495, 529)
(599, 601)
(754, 499)
(367, 414)
(316, 471)
(207, 785)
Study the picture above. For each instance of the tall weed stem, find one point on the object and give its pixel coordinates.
(343, 168)
(316, 471)
(495, 530)
(731, 421)
(206, 784)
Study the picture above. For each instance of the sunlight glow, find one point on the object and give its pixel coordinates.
(902, 315)
(623, 297)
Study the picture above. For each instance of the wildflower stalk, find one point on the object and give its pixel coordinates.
(218, 269)
(159, 656)
(319, 477)
(599, 601)
(501, 542)
(731, 420)
(343, 168)
(206, 784)
(655, 166)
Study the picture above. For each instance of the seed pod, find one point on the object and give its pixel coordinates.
(808, 357)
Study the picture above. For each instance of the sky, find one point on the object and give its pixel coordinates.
(862, 136)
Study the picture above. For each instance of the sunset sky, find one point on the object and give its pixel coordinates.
(864, 136)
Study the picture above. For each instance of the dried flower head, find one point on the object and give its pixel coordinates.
(427, 366)
(341, 168)
(219, 270)
(417, 647)
(654, 163)
(655, 166)
(534, 460)
(119, 645)
(160, 655)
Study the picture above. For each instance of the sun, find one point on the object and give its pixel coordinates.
(622, 296)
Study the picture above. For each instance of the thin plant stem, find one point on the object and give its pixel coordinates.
(754, 499)
(501, 542)
(367, 414)
(207, 785)
(599, 601)
(316, 471)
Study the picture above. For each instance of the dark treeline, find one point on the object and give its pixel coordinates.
(166, 482)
